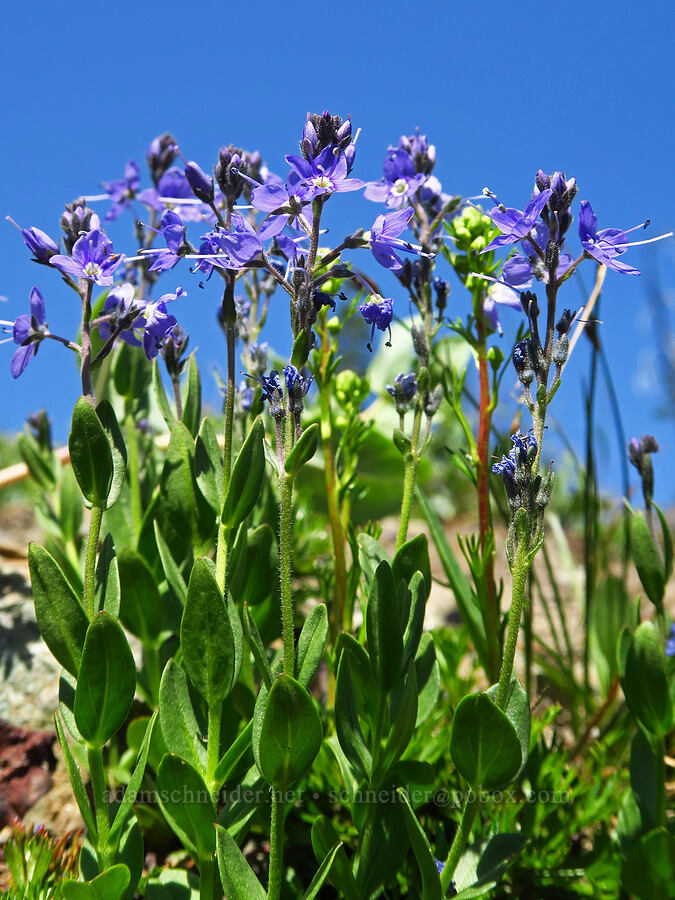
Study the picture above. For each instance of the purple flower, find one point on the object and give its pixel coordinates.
(173, 185)
(28, 330)
(420, 151)
(40, 244)
(201, 184)
(158, 323)
(92, 259)
(119, 306)
(399, 183)
(296, 383)
(327, 174)
(228, 249)
(385, 240)
(173, 231)
(670, 643)
(403, 391)
(246, 395)
(514, 224)
(604, 245)
(379, 314)
(122, 191)
(519, 271)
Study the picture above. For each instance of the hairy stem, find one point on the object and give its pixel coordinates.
(98, 789)
(85, 355)
(519, 570)
(285, 557)
(133, 469)
(276, 846)
(221, 551)
(90, 561)
(469, 810)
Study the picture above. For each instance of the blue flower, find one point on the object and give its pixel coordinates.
(327, 174)
(122, 191)
(403, 391)
(158, 323)
(40, 244)
(172, 230)
(514, 224)
(604, 245)
(118, 306)
(92, 258)
(379, 313)
(399, 183)
(28, 330)
(670, 643)
(385, 240)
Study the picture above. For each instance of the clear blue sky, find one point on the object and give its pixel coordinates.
(501, 89)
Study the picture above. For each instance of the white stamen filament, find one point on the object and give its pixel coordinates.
(661, 237)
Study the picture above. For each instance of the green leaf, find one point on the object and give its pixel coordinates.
(134, 784)
(610, 611)
(109, 885)
(517, 710)
(366, 691)
(645, 683)
(40, 461)
(431, 882)
(646, 780)
(107, 591)
(322, 873)
(192, 405)
(70, 505)
(60, 617)
(461, 587)
(428, 676)
(347, 724)
(189, 514)
(246, 478)
(385, 641)
(209, 466)
(182, 734)
(413, 557)
(371, 554)
(131, 372)
(90, 454)
(649, 870)
(231, 761)
(173, 884)
(206, 636)
(291, 733)
(667, 544)
(187, 804)
(481, 867)
(106, 682)
(168, 413)
(118, 449)
(256, 647)
(647, 559)
(415, 620)
(304, 449)
(142, 608)
(484, 745)
(325, 837)
(300, 352)
(403, 726)
(256, 572)
(171, 571)
(311, 644)
(239, 881)
(76, 782)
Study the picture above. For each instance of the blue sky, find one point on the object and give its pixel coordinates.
(502, 90)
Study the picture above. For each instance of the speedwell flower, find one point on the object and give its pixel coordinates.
(92, 258)
(123, 190)
(28, 330)
(379, 313)
(514, 224)
(385, 240)
(399, 183)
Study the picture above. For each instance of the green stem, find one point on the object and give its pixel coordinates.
(134, 474)
(98, 789)
(411, 463)
(213, 747)
(85, 355)
(519, 570)
(285, 556)
(221, 552)
(337, 534)
(469, 810)
(276, 846)
(207, 872)
(90, 561)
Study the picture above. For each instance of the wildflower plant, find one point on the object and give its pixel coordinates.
(282, 659)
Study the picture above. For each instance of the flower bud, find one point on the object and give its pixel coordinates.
(202, 186)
